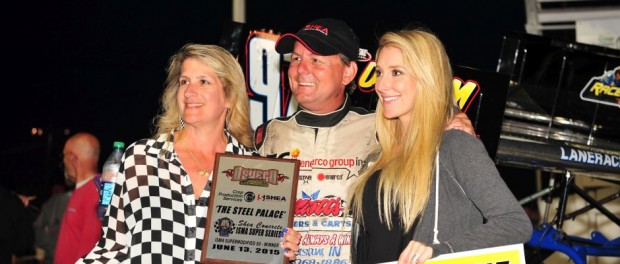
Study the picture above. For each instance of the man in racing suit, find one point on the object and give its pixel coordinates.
(329, 136)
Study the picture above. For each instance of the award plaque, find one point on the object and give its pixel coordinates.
(252, 200)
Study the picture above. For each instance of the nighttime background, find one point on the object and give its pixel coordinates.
(99, 66)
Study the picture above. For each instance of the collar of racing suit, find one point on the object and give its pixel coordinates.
(307, 118)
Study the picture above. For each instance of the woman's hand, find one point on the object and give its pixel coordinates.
(415, 253)
(290, 243)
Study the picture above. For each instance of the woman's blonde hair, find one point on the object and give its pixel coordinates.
(230, 74)
(406, 159)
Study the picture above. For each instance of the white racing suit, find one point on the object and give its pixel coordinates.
(332, 148)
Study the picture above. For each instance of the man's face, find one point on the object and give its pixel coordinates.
(318, 82)
(68, 159)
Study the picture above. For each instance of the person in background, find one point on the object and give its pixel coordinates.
(80, 228)
(159, 207)
(428, 191)
(327, 134)
(25, 188)
(47, 224)
(16, 232)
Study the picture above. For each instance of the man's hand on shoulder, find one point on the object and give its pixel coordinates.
(460, 121)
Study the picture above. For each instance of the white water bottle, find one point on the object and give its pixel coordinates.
(108, 177)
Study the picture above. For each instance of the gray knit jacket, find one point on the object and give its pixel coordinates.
(476, 208)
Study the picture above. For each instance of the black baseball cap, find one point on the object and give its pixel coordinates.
(323, 36)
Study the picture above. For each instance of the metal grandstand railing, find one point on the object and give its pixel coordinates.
(545, 15)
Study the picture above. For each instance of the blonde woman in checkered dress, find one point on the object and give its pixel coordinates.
(158, 211)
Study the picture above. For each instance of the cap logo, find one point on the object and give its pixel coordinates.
(318, 28)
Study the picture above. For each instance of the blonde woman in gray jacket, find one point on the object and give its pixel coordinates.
(429, 191)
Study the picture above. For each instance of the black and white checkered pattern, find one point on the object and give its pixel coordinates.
(154, 216)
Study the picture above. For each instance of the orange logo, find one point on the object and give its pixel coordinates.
(295, 153)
